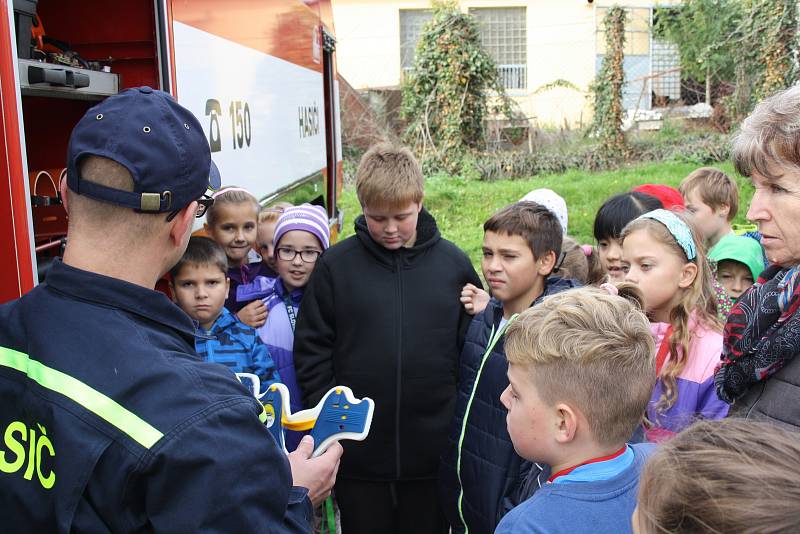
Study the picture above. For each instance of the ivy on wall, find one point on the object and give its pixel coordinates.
(447, 95)
(747, 47)
(778, 18)
(607, 88)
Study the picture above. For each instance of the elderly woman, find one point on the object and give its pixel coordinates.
(760, 371)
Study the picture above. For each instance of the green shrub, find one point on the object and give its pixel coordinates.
(700, 148)
(446, 95)
(607, 87)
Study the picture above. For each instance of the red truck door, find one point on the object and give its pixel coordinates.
(17, 259)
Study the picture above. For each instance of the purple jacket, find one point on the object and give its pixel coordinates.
(278, 335)
(245, 274)
(697, 396)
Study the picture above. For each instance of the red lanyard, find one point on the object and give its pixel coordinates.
(592, 461)
(663, 350)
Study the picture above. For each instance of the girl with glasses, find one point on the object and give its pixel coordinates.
(301, 235)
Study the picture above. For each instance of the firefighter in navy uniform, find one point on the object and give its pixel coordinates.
(109, 422)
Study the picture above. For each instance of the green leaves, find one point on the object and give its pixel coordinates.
(749, 44)
(702, 29)
(607, 88)
(446, 96)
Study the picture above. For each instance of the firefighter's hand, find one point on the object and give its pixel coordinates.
(474, 299)
(254, 314)
(315, 474)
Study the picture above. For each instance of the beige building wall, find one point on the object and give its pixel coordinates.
(561, 45)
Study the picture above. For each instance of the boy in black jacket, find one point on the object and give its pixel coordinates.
(381, 314)
(481, 475)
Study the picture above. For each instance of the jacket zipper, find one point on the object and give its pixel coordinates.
(399, 363)
(494, 337)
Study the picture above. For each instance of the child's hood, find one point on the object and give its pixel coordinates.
(739, 248)
(427, 236)
(553, 284)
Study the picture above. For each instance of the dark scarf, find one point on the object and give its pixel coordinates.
(762, 333)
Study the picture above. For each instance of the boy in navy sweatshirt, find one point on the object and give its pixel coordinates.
(581, 371)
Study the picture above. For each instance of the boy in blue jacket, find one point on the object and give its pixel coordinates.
(581, 371)
(481, 475)
(200, 285)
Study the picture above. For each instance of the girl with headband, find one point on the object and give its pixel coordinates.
(662, 255)
(233, 223)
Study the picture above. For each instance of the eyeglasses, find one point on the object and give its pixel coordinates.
(203, 203)
(289, 254)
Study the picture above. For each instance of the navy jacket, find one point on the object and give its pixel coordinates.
(491, 473)
(111, 423)
(388, 324)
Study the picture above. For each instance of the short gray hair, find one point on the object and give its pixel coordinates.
(770, 135)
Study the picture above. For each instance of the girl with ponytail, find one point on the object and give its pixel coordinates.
(662, 255)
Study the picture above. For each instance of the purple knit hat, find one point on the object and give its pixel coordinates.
(308, 218)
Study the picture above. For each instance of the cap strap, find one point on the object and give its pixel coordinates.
(149, 202)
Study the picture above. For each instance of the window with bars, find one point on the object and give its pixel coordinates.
(504, 36)
(666, 66)
(411, 23)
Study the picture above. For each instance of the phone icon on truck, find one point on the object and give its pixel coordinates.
(213, 111)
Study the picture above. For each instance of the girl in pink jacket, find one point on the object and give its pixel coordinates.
(664, 259)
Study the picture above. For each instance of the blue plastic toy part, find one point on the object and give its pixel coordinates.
(339, 415)
(276, 403)
(251, 382)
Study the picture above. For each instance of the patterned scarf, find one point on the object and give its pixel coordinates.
(762, 333)
(724, 301)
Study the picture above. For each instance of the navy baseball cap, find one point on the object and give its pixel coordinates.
(160, 143)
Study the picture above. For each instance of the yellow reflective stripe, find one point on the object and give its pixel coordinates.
(91, 399)
(263, 415)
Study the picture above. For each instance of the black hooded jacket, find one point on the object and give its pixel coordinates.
(388, 324)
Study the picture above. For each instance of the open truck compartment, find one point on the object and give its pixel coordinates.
(260, 75)
(118, 38)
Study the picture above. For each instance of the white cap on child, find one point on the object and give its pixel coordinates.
(552, 201)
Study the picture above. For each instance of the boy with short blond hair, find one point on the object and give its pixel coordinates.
(581, 372)
(389, 175)
(712, 201)
(481, 475)
(381, 314)
(200, 285)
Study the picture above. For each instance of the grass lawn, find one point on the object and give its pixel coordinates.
(461, 207)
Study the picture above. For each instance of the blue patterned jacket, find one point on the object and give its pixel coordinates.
(237, 346)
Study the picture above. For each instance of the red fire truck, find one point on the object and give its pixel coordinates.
(259, 74)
